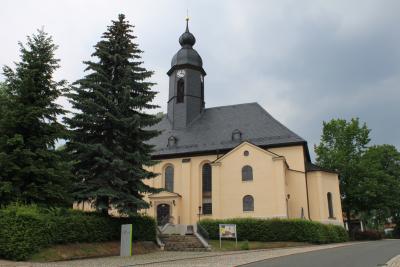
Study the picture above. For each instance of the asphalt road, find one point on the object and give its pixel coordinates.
(366, 254)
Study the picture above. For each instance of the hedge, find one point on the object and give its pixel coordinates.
(24, 230)
(368, 235)
(270, 230)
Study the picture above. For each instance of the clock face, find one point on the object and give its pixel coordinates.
(180, 73)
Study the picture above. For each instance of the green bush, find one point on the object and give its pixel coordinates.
(368, 235)
(24, 230)
(270, 230)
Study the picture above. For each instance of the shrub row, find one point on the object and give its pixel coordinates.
(25, 230)
(269, 230)
(368, 235)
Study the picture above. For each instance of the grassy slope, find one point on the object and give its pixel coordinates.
(88, 250)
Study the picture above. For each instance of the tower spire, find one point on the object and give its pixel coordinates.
(187, 20)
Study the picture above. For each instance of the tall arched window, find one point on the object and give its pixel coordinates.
(169, 179)
(247, 173)
(248, 203)
(180, 91)
(207, 188)
(330, 205)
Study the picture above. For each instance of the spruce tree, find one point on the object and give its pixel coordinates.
(31, 170)
(111, 125)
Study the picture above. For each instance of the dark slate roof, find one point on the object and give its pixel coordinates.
(213, 129)
(311, 167)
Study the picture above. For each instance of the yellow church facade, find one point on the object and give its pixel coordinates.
(279, 187)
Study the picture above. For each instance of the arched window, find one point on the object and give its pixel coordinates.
(247, 173)
(330, 205)
(248, 203)
(180, 91)
(169, 179)
(207, 188)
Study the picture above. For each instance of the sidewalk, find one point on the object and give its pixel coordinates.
(169, 258)
(394, 262)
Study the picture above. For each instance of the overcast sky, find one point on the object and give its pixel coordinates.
(303, 61)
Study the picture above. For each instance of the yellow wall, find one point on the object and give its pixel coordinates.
(278, 187)
(319, 184)
(296, 189)
(267, 187)
(294, 156)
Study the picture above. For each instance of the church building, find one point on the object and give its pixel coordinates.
(231, 161)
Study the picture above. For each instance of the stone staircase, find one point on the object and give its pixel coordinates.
(182, 243)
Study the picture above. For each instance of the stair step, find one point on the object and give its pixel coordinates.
(182, 243)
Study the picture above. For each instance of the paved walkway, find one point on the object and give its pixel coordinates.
(394, 262)
(167, 258)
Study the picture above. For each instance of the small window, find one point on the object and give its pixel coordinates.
(248, 203)
(247, 173)
(180, 91)
(246, 153)
(169, 179)
(330, 205)
(236, 135)
(172, 141)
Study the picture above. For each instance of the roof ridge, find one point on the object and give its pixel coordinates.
(226, 106)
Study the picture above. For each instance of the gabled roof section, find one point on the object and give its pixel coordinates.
(273, 155)
(310, 167)
(212, 131)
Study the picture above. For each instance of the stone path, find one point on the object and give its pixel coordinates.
(169, 258)
(394, 262)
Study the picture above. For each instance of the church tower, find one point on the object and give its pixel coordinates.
(186, 83)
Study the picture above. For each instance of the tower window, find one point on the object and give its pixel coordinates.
(180, 91)
(202, 93)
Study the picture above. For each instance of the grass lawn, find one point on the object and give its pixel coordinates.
(88, 250)
(228, 245)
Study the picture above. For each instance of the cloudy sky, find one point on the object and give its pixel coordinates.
(303, 61)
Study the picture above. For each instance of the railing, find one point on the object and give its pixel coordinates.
(203, 232)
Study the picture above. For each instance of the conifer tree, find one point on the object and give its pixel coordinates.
(31, 170)
(111, 126)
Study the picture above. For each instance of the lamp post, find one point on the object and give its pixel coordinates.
(199, 214)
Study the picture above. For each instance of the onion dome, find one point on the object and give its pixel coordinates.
(187, 38)
(187, 55)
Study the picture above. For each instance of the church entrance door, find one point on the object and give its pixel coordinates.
(163, 214)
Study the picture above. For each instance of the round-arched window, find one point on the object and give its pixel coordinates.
(247, 173)
(248, 203)
(169, 179)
